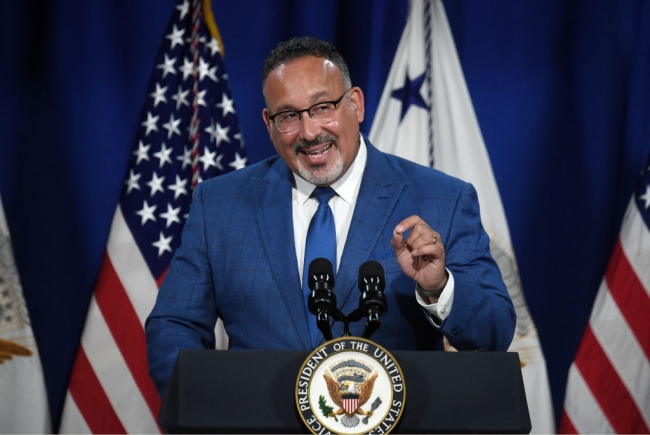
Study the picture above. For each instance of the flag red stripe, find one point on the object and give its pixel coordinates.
(161, 278)
(566, 425)
(630, 296)
(607, 388)
(128, 333)
(91, 399)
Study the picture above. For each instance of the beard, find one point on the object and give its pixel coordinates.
(320, 175)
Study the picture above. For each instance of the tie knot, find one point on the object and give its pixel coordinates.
(324, 194)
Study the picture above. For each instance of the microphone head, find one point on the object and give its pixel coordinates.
(320, 270)
(371, 272)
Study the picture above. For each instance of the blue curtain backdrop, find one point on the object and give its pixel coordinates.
(561, 90)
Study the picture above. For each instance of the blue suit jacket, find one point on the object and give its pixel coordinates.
(238, 261)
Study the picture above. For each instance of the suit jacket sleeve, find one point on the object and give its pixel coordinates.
(184, 315)
(482, 317)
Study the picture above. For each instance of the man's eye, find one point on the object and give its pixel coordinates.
(321, 108)
(288, 116)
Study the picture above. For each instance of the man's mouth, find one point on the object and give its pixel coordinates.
(318, 151)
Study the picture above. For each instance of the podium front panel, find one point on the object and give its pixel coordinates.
(253, 391)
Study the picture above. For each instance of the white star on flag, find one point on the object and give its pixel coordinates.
(150, 124)
(163, 244)
(171, 215)
(142, 152)
(146, 212)
(226, 105)
(179, 187)
(167, 66)
(132, 181)
(176, 37)
(159, 95)
(163, 155)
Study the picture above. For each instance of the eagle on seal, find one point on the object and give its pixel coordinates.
(340, 391)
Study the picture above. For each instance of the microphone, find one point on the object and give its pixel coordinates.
(372, 303)
(322, 300)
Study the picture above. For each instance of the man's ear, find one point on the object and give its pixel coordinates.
(357, 100)
(267, 120)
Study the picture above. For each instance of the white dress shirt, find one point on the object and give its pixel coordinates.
(342, 205)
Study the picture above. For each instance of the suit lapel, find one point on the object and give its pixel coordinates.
(275, 220)
(378, 195)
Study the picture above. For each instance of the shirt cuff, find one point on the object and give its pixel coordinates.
(442, 308)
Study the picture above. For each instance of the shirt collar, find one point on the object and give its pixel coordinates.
(346, 187)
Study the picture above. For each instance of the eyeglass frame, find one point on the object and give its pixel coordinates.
(308, 110)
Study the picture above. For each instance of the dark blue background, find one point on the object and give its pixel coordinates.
(561, 90)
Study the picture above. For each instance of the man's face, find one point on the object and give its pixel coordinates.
(319, 153)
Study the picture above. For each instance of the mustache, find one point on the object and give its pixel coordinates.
(318, 140)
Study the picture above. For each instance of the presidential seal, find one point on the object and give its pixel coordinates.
(350, 385)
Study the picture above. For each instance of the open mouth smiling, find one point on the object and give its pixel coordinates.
(317, 152)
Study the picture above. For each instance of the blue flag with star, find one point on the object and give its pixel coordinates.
(426, 115)
(410, 94)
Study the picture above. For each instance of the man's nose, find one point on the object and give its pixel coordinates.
(309, 128)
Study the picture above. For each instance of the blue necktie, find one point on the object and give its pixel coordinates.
(321, 243)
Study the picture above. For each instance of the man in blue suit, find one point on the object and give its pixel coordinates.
(243, 246)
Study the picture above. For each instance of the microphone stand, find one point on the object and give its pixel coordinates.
(323, 323)
(322, 300)
(372, 324)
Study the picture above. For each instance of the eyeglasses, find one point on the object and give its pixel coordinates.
(323, 113)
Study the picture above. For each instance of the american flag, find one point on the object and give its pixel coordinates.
(608, 389)
(188, 132)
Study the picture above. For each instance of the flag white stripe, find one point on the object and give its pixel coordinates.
(131, 267)
(99, 344)
(581, 407)
(114, 375)
(621, 347)
(635, 239)
(139, 284)
(616, 337)
(73, 421)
